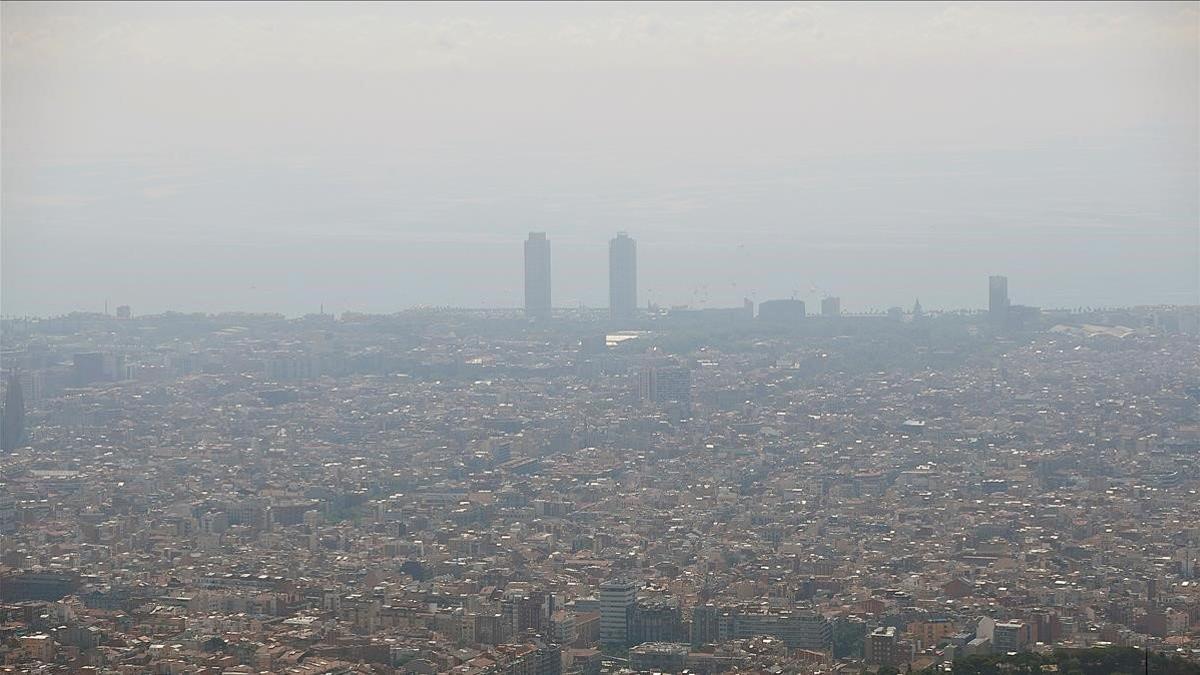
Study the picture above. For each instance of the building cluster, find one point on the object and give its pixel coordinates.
(622, 277)
(471, 493)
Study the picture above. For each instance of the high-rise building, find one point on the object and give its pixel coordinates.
(706, 624)
(883, 647)
(88, 368)
(781, 311)
(617, 598)
(528, 610)
(1010, 636)
(799, 629)
(831, 306)
(622, 276)
(548, 658)
(12, 436)
(9, 516)
(666, 383)
(537, 275)
(657, 620)
(998, 301)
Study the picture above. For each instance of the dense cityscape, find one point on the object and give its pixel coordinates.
(768, 488)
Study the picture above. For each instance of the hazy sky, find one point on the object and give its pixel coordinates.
(374, 157)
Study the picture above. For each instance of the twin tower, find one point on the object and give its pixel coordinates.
(622, 276)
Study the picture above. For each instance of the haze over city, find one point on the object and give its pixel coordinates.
(373, 157)
(600, 338)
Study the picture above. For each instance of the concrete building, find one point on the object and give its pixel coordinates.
(660, 657)
(781, 311)
(884, 648)
(1010, 636)
(12, 435)
(655, 621)
(798, 629)
(537, 275)
(665, 384)
(998, 301)
(617, 598)
(622, 276)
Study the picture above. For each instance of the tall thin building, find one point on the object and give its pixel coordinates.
(622, 276)
(537, 275)
(998, 301)
(617, 598)
(12, 435)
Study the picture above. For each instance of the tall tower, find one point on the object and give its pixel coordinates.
(537, 275)
(998, 301)
(622, 276)
(12, 435)
(617, 597)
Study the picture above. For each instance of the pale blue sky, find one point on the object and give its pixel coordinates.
(378, 156)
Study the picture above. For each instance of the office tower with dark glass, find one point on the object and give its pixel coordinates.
(998, 301)
(537, 275)
(622, 276)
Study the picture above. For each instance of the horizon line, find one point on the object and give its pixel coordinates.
(567, 310)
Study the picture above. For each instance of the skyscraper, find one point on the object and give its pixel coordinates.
(537, 275)
(998, 301)
(831, 306)
(12, 436)
(622, 276)
(617, 597)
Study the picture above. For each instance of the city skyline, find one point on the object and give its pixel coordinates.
(394, 161)
(825, 306)
(706, 493)
(622, 283)
(604, 338)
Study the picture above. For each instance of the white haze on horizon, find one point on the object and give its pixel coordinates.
(372, 157)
